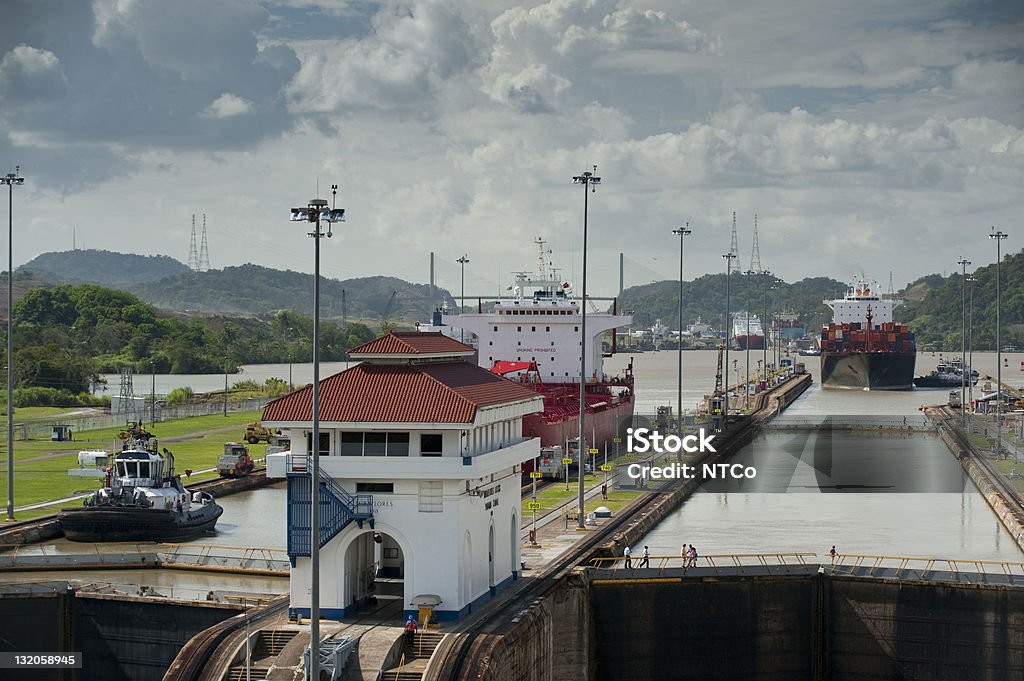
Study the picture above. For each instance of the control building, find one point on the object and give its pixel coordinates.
(420, 463)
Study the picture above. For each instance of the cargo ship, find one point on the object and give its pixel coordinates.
(863, 348)
(746, 329)
(787, 327)
(533, 337)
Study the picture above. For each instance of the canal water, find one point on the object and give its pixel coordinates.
(866, 493)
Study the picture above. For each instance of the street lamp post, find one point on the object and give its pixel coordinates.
(764, 329)
(728, 327)
(152, 395)
(999, 235)
(746, 379)
(462, 296)
(682, 232)
(964, 375)
(316, 211)
(588, 180)
(970, 338)
(10, 179)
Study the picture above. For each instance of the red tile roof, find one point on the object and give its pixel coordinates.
(412, 343)
(432, 393)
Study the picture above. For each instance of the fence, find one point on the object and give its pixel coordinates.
(43, 429)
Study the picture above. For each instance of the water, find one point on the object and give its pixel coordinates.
(917, 502)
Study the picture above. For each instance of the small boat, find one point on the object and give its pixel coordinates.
(947, 375)
(143, 500)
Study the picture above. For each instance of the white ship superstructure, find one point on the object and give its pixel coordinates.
(540, 323)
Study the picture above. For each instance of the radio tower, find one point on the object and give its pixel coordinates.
(755, 253)
(204, 253)
(734, 248)
(193, 254)
(124, 404)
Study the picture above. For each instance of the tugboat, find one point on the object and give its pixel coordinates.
(143, 500)
(946, 375)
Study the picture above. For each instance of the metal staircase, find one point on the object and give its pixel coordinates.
(338, 508)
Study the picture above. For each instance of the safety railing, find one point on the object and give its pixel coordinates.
(727, 563)
(854, 565)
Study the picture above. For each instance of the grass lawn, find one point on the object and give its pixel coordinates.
(1005, 467)
(42, 479)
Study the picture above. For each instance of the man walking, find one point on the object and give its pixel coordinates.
(626, 554)
(646, 562)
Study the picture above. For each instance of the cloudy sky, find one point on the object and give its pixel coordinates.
(868, 136)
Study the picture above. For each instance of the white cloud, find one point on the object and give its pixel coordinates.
(30, 75)
(226, 106)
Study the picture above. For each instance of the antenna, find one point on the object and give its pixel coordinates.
(204, 252)
(755, 253)
(542, 259)
(193, 253)
(734, 248)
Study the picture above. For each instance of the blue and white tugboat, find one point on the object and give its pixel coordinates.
(143, 500)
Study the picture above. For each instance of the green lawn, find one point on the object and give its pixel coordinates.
(44, 479)
(1005, 467)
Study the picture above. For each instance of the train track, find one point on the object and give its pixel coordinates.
(998, 480)
(192, 660)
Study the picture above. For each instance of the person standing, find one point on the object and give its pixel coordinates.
(626, 554)
(832, 553)
(684, 554)
(646, 562)
(693, 556)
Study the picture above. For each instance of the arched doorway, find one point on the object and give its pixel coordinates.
(374, 574)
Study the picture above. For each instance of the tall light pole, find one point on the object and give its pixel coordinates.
(682, 233)
(764, 328)
(999, 235)
(728, 327)
(462, 296)
(970, 337)
(316, 211)
(588, 180)
(10, 179)
(746, 379)
(964, 376)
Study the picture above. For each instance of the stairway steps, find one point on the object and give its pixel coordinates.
(238, 673)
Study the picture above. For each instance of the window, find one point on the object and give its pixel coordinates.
(519, 328)
(548, 329)
(533, 328)
(325, 443)
(351, 444)
(431, 496)
(375, 444)
(398, 444)
(430, 444)
(386, 487)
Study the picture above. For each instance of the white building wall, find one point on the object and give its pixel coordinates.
(432, 546)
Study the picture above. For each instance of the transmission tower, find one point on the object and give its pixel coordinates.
(124, 404)
(755, 253)
(734, 247)
(204, 252)
(193, 253)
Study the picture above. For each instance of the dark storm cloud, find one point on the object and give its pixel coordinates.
(141, 76)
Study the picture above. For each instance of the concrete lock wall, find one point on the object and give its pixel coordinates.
(759, 628)
(808, 627)
(120, 637)
(702, 630)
